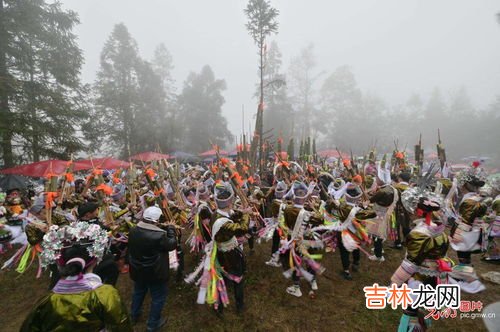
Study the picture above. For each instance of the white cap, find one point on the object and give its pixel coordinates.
(152, 213)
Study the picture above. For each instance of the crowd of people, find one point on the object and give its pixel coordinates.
(86, 229)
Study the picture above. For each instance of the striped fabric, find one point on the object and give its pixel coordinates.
(78, 284)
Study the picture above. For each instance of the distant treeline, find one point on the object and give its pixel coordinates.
(134, 106)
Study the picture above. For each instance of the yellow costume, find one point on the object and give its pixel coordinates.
(90, 310)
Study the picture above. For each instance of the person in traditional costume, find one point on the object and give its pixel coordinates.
(89, 212)
(34, 227)
(336, 189)
(493, 249)
(325, 181)
(384, 200)
(275, 227)
(14, 212)
(346, 219)
(15, 206)
(223, 263)
(5, 233)
(79, 300)
(180, 212)
(469, 232)
(353, 193)
(276, 222)
(401, 214)
(295, 256)
(107, 268)
(256, 198)
(148, 247)
(426, 246)
(37, 226)
(227, 226)
(123, 216)
(349, 194)
(203, 211)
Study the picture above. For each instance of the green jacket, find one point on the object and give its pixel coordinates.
(86, 311)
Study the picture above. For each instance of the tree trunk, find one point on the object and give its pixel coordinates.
(5, 114)
(307, 109)
(260, 112)
(35, 138)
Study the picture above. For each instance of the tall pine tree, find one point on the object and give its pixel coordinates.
(117, 89)
(152, 110)
(163, 65)
(43, 103)
(200, 105)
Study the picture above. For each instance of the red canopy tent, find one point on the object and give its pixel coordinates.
(58, 167)
(211, 153)
(38, 169)
(332, 153)
(103, 163)
(149, 156)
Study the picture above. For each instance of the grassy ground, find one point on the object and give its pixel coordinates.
(339, 305)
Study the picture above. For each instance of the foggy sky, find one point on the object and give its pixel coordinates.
(394, 47)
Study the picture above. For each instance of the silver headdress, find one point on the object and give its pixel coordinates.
(58, 238)
(411, 196)
(473, 175)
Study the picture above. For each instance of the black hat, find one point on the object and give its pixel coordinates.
(405, 176)
(428, 205)
(87, 207)
(476, 181)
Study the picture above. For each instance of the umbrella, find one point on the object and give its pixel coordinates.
(103, 163)
(212, 152)
(12, 181)
(38, 169)
(149, 156)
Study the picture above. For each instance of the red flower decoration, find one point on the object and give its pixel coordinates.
(69, 177)
(107, 190)
(150, 173)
